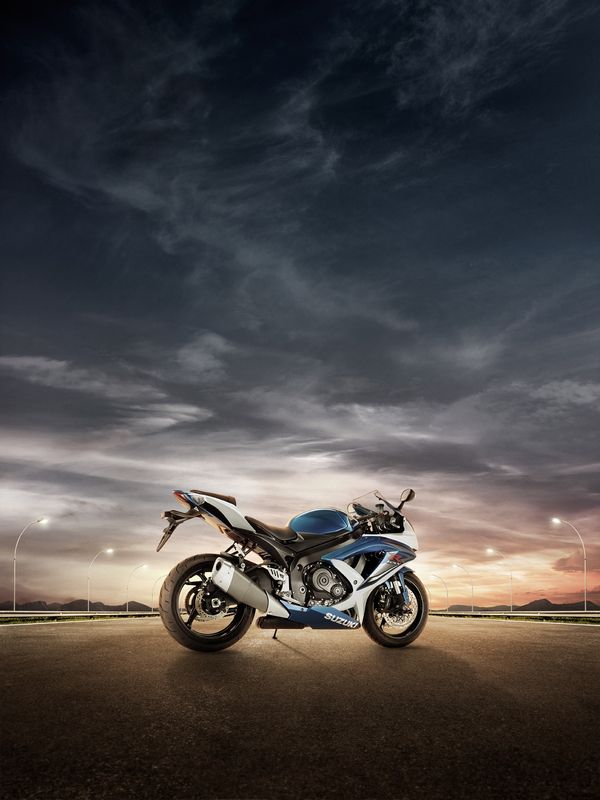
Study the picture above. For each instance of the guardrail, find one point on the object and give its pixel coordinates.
(582, 617)
(13, 617)
(516, 613)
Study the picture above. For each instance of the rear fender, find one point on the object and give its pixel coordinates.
(174, 519)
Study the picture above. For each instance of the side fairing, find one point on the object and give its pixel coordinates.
(386, 543)
(407, 536)
(321, 617)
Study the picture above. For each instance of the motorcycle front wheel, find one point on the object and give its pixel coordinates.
(392, 624)
(198, 614)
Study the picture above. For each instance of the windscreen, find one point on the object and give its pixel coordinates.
(375, 501)
(372, 501)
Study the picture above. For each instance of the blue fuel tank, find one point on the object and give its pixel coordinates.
(321, 522)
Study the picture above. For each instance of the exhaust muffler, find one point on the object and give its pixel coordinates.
(233, 582)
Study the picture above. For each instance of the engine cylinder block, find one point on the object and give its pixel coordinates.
(324, 584)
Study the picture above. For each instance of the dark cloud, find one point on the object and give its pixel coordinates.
(293, 252)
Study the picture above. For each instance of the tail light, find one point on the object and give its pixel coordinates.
(184, 499)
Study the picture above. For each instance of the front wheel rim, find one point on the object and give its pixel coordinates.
(398, 626)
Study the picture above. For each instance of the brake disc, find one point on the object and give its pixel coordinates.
(218, 607)
(405, 616)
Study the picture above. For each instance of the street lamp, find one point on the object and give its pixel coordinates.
(154, 587)
(135, 569)
(108, 552)
(459, 566)
(558, 521)
(40, 521)
(495, 552)
(433, 575)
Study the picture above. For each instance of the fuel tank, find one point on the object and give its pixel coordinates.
(321, 522)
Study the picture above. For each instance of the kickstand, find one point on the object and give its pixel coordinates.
(275, 634)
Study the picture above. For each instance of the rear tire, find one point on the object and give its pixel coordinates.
(371, 622)
(169, 606)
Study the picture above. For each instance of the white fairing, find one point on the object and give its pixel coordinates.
(409, 536)
(231, 513)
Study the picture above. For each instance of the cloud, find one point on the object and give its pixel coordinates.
(453, 57)
(203, 357)
(156, 417)
(136, 410)
(161, 142)
(574, 561)
(568, 393)
(58, 374)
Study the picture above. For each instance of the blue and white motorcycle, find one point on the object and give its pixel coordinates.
(324, 569)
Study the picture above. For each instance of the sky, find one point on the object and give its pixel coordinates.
(294, 252)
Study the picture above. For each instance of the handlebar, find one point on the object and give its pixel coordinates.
(383, 518)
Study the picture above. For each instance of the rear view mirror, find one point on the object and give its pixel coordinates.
(406, 496)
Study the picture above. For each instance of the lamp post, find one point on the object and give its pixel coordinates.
(40, 521)
(459, 566)
(558, 521)
(495, 552)
(154, 587)
(108, 552)
(433, 575)
(135, 569)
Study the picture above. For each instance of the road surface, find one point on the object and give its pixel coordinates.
(474, 709)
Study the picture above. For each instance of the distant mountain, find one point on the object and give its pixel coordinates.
(35, 605)
(546, 605)
(539, 605)
(535, 605)
(74, 605)
(467, 609)
(81, 605)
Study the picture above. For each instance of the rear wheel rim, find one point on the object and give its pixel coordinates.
(203, 613)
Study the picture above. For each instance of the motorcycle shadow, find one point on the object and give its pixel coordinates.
(445, 714)
(342, 700)
(292, 653)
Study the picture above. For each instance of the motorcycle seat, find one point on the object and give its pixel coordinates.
(282, 534)
(226, 497)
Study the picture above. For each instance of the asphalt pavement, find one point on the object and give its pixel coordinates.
(474, 709)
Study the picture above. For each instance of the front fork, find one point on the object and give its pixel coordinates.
(397, 585)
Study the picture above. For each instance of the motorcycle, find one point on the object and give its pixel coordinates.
(325, 569)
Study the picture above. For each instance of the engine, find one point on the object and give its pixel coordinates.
(324, 584)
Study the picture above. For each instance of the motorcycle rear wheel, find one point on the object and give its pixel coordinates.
(196, 616)
(379, 626)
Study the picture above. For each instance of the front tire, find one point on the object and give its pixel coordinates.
(198, 616)
(396, 630)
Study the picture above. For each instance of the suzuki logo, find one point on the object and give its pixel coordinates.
(347, 623)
